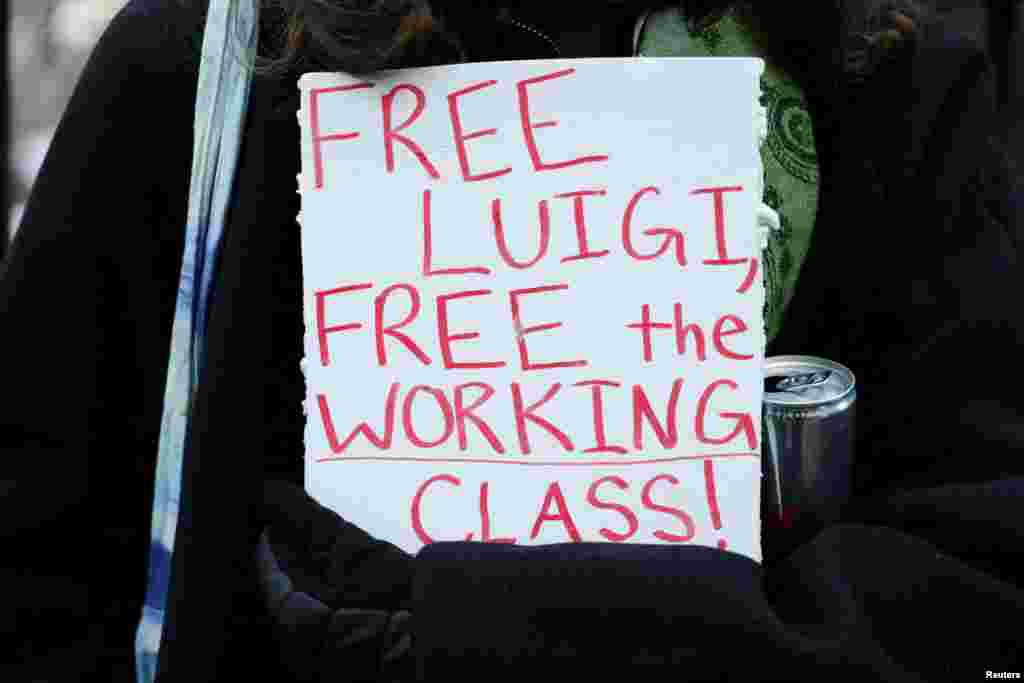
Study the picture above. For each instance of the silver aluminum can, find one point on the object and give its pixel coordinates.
(808, 437)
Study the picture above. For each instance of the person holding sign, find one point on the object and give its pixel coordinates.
(907, 277)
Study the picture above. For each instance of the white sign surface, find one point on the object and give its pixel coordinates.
(533, 301)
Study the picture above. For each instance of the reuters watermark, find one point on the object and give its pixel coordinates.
(1002, 675)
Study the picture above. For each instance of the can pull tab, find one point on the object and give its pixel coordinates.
(799, 382)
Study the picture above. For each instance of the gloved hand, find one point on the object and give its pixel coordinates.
(336, 595)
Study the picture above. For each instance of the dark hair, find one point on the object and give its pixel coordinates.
(356, 36)
(360, 36)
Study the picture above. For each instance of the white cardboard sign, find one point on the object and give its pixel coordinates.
(533, 301)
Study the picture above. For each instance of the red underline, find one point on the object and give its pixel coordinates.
(539, 463)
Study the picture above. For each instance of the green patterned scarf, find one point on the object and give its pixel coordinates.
(790, 162)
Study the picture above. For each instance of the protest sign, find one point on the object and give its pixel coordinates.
(533, 301)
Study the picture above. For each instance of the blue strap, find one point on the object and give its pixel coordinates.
(225, 75)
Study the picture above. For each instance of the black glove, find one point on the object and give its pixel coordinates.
(335, 593)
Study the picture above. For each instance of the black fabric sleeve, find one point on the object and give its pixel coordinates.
(909, 281)
(85, 306)
(962, 327)
(89, 273)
